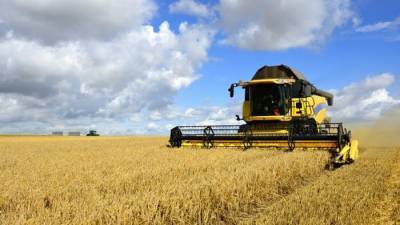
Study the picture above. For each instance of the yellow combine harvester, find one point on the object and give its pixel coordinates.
(281, 109)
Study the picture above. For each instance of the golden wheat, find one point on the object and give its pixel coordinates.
(137, 180)
(366, 192)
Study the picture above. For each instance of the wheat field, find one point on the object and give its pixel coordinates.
(137, 180)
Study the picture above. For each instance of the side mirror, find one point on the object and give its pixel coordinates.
(231, 90)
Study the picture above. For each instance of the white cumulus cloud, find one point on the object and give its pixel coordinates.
(380, 26)
(281, 24)
(89, 82)
(189, 7)
(364, 100)
(54, 20)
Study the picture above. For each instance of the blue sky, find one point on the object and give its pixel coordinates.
(138, 66)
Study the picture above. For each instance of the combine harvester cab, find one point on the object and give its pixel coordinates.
(281, 109)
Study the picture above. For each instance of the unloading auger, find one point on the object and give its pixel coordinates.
(281, 109)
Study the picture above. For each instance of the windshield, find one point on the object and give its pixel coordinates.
(267, 100)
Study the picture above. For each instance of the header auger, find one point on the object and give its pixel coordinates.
(281, 109)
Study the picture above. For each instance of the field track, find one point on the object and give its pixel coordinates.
(137, 180)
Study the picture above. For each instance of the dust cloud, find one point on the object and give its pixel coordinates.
(384, 132)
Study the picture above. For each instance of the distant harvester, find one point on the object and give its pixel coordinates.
(92, 133)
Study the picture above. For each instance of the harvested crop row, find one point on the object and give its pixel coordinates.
(138, 181)
(350, 195)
